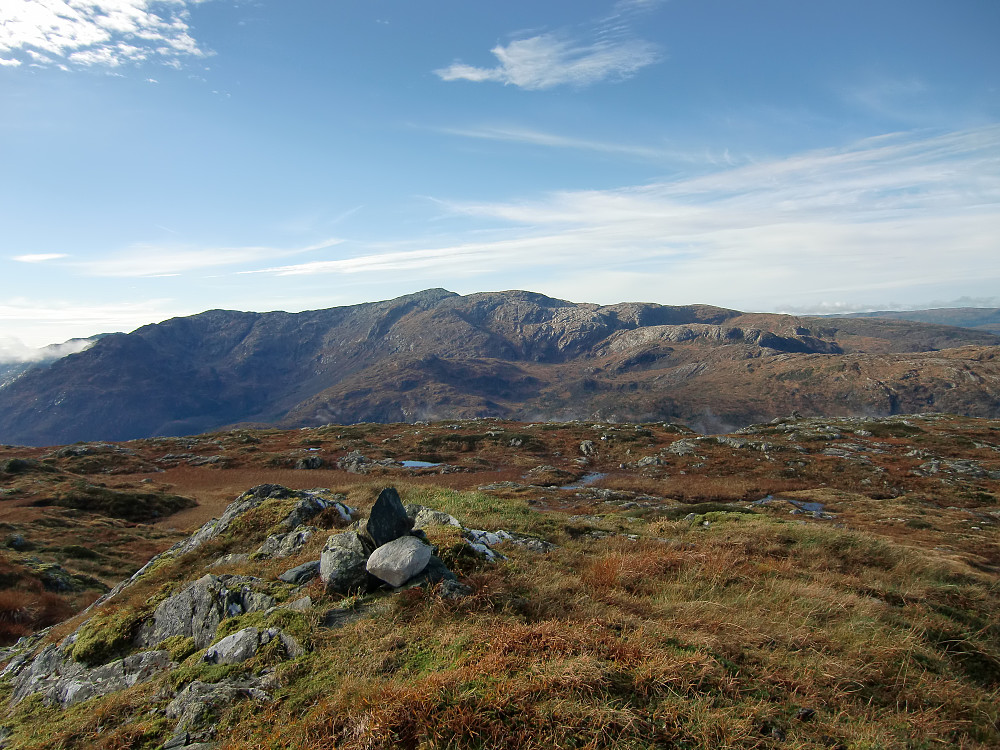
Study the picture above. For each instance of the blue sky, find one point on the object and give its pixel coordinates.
(163, 158)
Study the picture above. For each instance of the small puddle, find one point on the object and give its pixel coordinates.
(585, 481)
(419, 464)
(804, 506)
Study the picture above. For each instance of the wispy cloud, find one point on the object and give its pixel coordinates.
(608, 52)
(514, 134)
(39, 257)
(897, 215)
(13, 350)
(163, 260)
(107, 33)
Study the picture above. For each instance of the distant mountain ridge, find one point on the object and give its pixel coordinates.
(978, 318)
(517, 354)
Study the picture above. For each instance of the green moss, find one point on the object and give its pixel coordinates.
(108, 634)
(700, 509)
(259, 522)
(299, 625)
(80, 552)
(195, 668)
(179, 646)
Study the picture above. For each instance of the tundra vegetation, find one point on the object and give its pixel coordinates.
(805, 583)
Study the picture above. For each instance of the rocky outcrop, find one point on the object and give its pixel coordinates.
(197, 610)
(63, 682)
(196, 706)
(307, 506)
(244, 644)
(285, 545)
(385, 550)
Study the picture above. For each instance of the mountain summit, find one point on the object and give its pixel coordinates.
(516, 354)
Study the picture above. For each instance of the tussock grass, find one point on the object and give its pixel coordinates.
(688, 636)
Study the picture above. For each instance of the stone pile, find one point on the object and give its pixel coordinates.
(384, 549)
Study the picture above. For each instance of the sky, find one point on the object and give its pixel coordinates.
(165, 157)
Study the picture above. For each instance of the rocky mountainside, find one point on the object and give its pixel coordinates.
(513, 354)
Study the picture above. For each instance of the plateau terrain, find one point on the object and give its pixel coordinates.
(804, 582)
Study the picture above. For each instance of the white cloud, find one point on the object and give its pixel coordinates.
(42, 322)
(545, 61)
(97, 32)
(165, 260)
(14, 350)
(5, 62)
(39, 257)
(607, 51)
(901, 217)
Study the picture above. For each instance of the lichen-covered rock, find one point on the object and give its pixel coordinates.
(244, 644)
(196, 706)
(342, 563)
(197, 610)
(423, 517)
(398, 561)
(286, 545)
(63, 681)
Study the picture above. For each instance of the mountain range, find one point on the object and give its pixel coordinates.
(515, 354)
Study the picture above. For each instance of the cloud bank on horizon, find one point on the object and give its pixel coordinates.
(300, 156)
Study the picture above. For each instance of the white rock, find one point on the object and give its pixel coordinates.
(399, 560)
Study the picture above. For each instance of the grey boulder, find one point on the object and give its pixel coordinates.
(423, 517)
(301, 573)
(399, 560)
(342, 563)
(244, 644)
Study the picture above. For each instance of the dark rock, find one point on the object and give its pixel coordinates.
(805, 714)
(338, 618)
(435, 572)
(451, 589)
(301, 574)
(310, 462)
(18, 542)
(387, 520)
